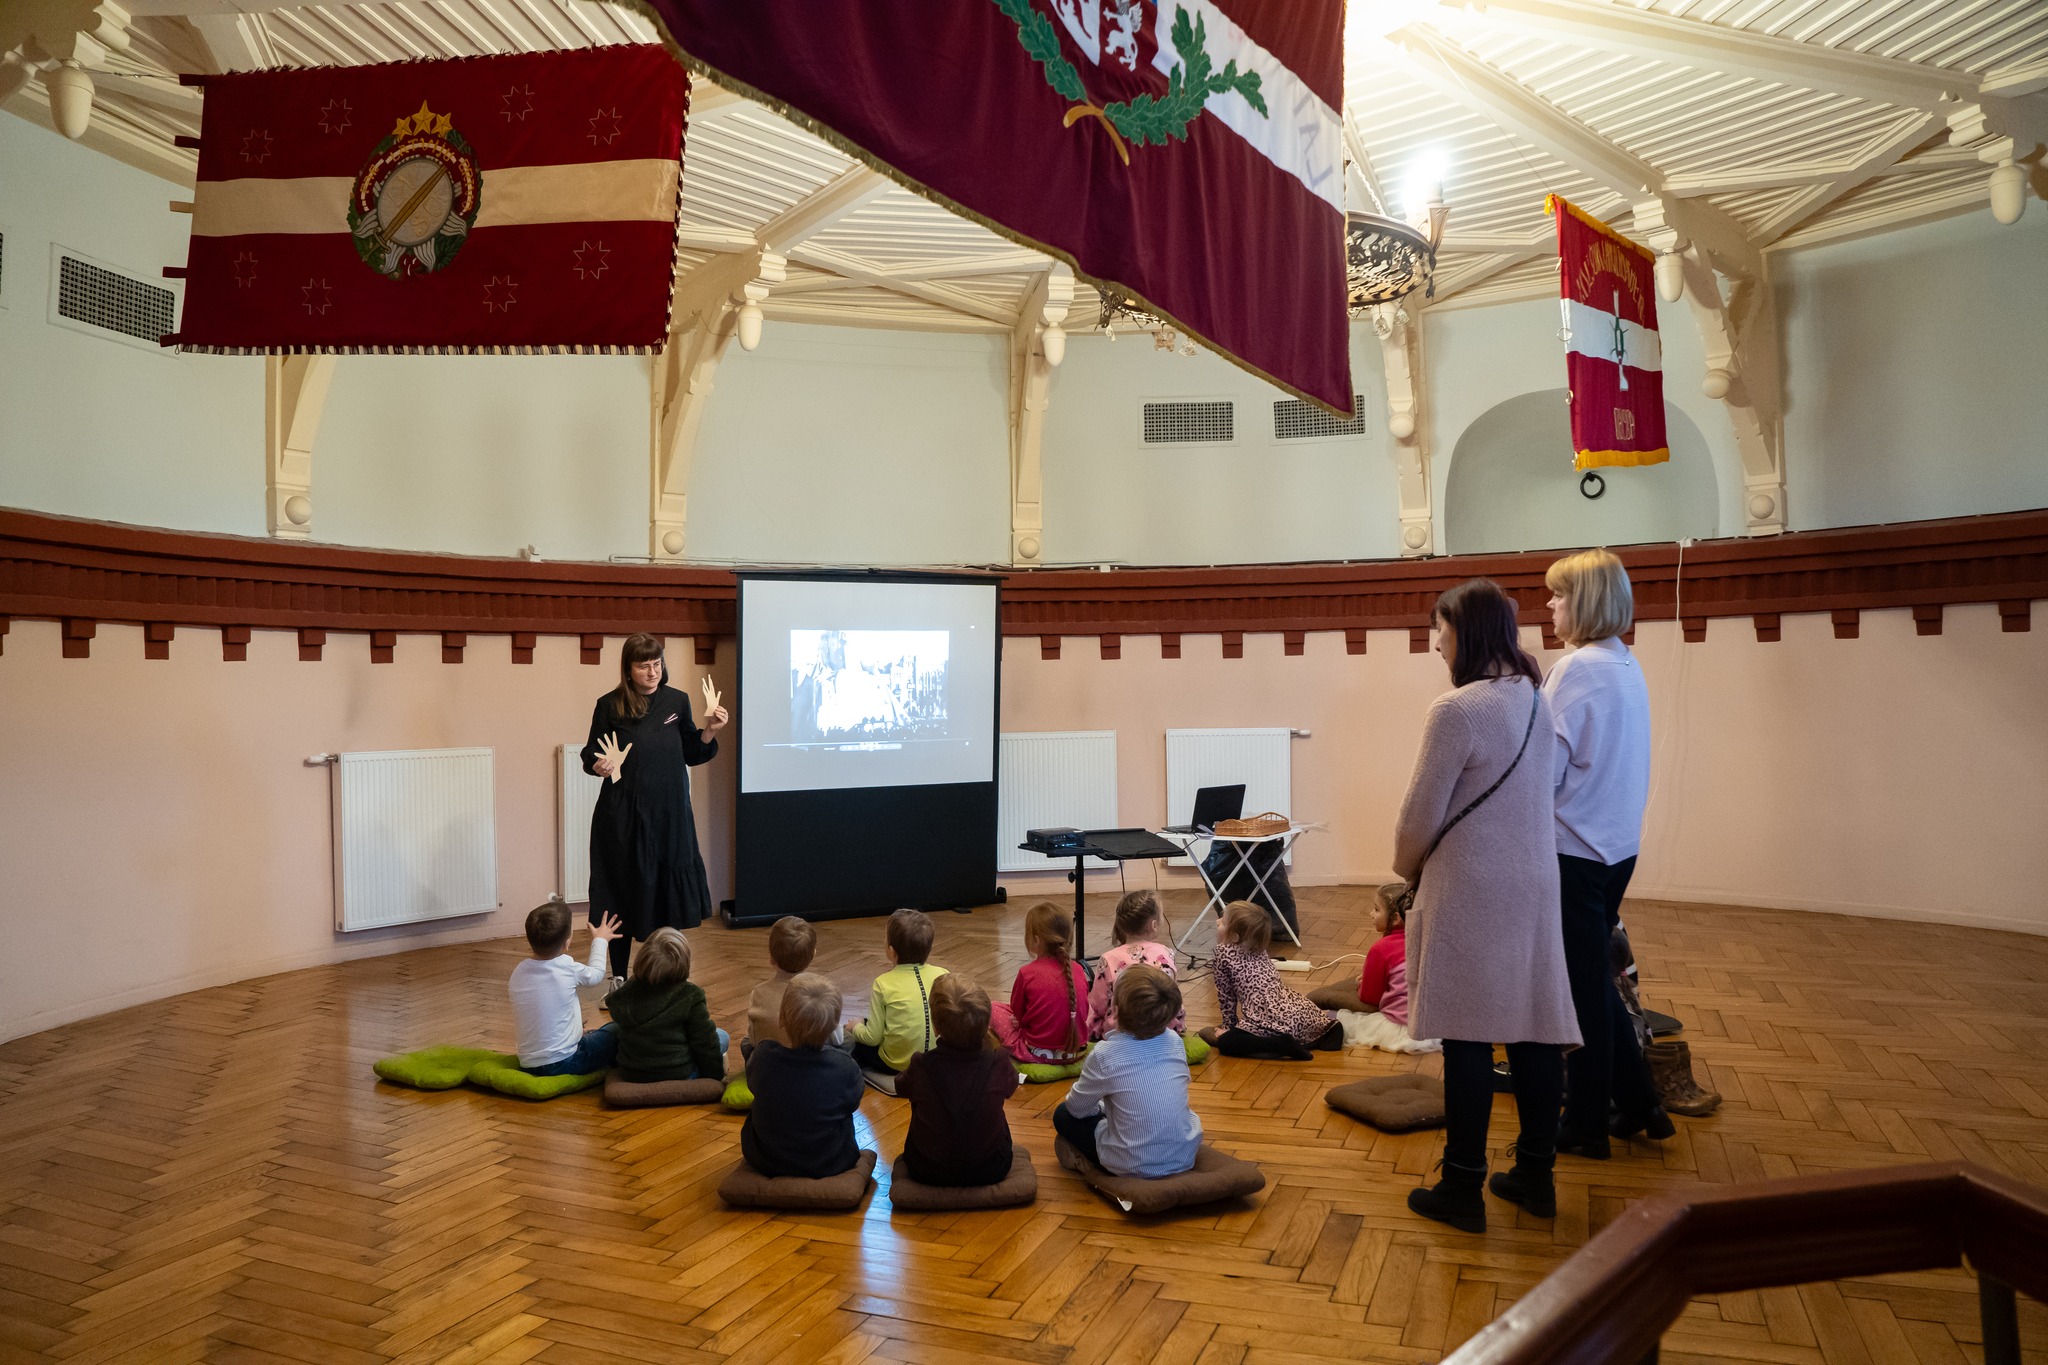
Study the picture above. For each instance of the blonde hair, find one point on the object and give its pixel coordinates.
(1052, 929)
(1134, 915)
(1146, 1000)
(960, 1012)
(1248, 926)
(663, 959)
(1598, 603)
(810, 1010)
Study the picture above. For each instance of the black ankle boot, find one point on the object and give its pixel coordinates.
(1592, 1146)
(1457, 1199)
(1529, 1183)
(1654, 1124)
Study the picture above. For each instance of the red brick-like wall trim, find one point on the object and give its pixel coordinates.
(84, 572)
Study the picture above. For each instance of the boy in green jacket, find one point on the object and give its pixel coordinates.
(665, 1028)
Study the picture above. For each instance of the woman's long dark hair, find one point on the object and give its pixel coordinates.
(638, 649)
(1482, 617)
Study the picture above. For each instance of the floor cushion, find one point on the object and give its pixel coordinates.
(444, 1068)
(1043, 1073)
(746, 1188)
(620, 1093)
(1393, 1104)
(1020, 1186)
(1341, 995)
(1197, 1049)
(738, 1094)
(1215, 1176)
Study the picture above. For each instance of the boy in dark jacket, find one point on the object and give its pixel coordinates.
(665, 1028)
(959, 1134)
(801, 1122)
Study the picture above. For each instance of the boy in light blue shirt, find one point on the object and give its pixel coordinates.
(1128, 1113)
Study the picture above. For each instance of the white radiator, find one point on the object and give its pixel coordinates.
(415, 837)
(576, 801)
(1259, 758)
(1049, 780)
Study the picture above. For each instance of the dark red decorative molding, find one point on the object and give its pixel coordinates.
(1293, 642)
(234, 644)
(1695, 628)
(452, 645)
(156, 639)
(1848, 622)
(84, 572)
(1770, 628)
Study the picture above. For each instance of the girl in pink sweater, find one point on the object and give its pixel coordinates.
(1140, 927)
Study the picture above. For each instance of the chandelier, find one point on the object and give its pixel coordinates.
(1386, 260)
(1118, 308)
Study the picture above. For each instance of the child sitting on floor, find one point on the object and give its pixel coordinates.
(544, 1004)
(1046, 1021)
(1383, 985)
(1139, 927)
(801, 1122)
(1128, 1113)
(899, 1022)
(664, 1023)
(792, 942)
(958, 1132)
(1261, 1017)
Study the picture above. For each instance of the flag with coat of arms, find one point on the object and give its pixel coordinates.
(1615, 358)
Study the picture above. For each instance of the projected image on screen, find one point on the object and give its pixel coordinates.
(867, 688)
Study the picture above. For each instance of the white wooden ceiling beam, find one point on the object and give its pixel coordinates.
(2015, 80)
(945, 296)
(1883, 151)
(821, 208)
(234, 42)
(956, 267)
(1736, 52)
(1750, 178)
(1360, 170)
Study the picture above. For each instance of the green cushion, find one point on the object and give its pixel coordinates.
(1198, 1051)
(444, 1068)
(1041, 1073)
(737, 1094)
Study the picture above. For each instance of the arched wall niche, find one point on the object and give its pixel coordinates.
(1511, 485)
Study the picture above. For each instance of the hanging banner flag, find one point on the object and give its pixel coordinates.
(1189, 152)
(519, 203)
(1615, 360)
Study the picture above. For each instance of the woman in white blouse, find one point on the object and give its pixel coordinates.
(1601, 712)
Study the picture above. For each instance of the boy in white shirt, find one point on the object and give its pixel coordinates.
(544, 1004)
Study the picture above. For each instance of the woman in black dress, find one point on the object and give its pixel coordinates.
(644, 863)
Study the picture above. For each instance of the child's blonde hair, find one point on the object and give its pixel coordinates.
(810, 1010)
(792, 943)
(1392, 901)
(1248, 926)
(1598, 603)
(1134, 915)
(1052, 929)
(663, 960)
(960, 1012)
(1146, 1000)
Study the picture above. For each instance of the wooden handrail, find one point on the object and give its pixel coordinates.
(1612, 1301)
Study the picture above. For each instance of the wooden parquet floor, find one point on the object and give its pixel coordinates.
(219, 1177)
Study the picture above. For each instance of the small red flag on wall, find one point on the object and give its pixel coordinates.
(518, 203)
(1615, 360)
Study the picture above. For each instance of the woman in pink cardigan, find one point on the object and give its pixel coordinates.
(1485, 946)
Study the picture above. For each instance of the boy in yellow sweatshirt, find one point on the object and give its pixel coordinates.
(899, 1022)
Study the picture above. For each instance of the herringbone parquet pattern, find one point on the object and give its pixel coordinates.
(218, 1177)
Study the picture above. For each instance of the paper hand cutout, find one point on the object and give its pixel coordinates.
(710, 696)
(608, 751)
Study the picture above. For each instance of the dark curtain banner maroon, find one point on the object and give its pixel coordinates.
(1190, 150)
(481, 204)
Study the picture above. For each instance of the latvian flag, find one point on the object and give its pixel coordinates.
(1615, 362)
(521, 203)
(1189, 152)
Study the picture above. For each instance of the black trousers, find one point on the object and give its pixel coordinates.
(1538, 1070)
(620, 950)
(1610, 1067)
(1079, 1132)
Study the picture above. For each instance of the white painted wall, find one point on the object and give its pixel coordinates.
(90, 426)
(1915, 366)
(1110, 498)
(851, 446)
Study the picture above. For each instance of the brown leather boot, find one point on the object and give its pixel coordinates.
(1671, 1072)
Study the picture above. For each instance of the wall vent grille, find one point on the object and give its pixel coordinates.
(1213, 421)
(113, 302)
(1294, 420)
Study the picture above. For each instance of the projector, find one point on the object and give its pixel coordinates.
(1054, 842)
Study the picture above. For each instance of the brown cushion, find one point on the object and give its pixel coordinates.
(1216, 1175)
(624, 1094)
(1020, 1186)
(746, 1188)
(1341, 995)
(1393, 1104)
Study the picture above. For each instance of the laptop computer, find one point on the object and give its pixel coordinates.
(1212, 804)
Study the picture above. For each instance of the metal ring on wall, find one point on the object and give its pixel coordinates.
(1592, 486)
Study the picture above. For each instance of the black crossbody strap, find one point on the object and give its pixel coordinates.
(1479, 800)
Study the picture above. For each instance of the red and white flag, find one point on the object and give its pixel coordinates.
(1615, 360)
(513, 203)
(1189, 152)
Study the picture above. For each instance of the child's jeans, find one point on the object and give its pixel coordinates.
(1079, 1132)
(692, 1074)
(594, 1052)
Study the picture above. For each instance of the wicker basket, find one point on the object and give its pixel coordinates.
(1254, 827)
